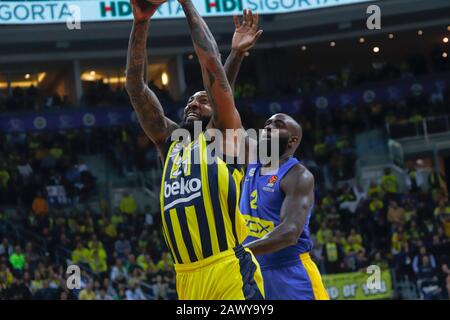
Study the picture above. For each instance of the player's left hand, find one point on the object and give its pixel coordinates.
(247, 33)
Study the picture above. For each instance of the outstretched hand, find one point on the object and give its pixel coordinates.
(247, 33)
(143, 10)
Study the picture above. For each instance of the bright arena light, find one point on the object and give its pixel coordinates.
(165, 78)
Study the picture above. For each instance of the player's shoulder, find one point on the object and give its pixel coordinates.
(298, 176)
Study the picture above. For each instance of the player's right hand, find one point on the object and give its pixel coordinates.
(143, 10)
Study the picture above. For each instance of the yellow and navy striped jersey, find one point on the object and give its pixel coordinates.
(200, 202)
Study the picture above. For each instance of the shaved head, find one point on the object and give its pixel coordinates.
(295, 129)
(290, 131)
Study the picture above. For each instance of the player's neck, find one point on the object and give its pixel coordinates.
(279, 163)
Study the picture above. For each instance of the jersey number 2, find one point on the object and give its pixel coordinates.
(254, 199)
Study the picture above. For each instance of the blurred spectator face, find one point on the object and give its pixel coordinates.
(133, 285)
(131, 259)
(445, 269)
(106, 283)
(423, 251)
(64, 295)
(17, 249)
(119, 263)
(436, 240)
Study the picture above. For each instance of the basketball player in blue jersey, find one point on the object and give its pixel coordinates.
(199, 200)
(277, 206)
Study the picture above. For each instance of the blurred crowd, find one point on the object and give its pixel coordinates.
(406, 231)
(45, 176)
(121, 257)
(31, 99)
(46, 164)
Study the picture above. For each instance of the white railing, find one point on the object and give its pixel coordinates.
(423, 128)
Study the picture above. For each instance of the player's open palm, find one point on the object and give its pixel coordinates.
(247, 33)
(143, 9)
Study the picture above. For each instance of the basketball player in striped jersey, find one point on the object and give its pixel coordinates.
(202, 224)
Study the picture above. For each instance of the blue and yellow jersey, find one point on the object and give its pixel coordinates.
(200, 202)
(260, 205)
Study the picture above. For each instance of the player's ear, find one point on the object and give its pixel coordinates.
(294, 140)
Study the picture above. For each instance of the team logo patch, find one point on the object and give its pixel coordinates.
(258, 227)
(271, 184)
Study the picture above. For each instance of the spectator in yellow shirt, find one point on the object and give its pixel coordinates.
(97, 264)
(389, 182)
(166, 262)
(4, 177)
(145, 261)
(376, 205)
(117, 219)
(80, 254)
(354, 241)
(87, 293)
(374, 190)
(128, 204)
(441, 210)
(110, 230)
(6, 277)
(323, 233)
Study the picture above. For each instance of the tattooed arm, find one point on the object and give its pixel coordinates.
(244, 38)
(147, 106)
(225, 115)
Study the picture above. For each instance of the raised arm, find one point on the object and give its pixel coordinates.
(225, 115)
(147, 106)
(298, 187)
(244, 38)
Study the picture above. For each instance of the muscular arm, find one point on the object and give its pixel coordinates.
(232, 66)
(225, 115)
(147, 106)
(298, 186)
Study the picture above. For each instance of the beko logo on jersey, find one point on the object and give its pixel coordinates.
(182, 187)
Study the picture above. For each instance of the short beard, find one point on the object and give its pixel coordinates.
(189, 125)
(282, 144)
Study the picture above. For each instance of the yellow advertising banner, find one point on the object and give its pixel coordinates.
(374, 284)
